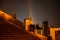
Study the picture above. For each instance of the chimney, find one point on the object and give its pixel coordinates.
(14, 15)
(27, 22)
(52, 33)
(35, 29)
(46, 30)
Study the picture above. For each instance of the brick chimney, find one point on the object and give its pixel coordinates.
(35, 29)
(14, 15)
(27, 22)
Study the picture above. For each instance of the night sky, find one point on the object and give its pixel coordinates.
(40, 10)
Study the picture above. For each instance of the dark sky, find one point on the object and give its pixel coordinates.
(40, 10)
